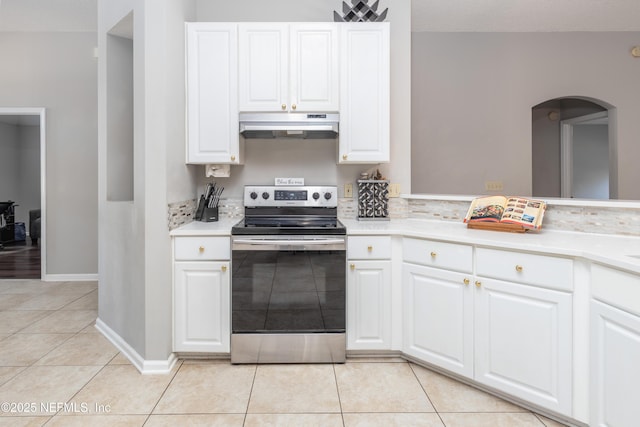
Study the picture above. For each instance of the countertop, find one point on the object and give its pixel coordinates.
(617, 251)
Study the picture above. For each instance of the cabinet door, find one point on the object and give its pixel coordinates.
(369, 305)
(212, 98)
(364, 93)
(438, 317)
(263, 63)
(314, 72)
(523, 342)
(201, 307)
(615, 371)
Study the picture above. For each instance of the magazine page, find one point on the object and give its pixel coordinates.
(489, 209)
(526, 212)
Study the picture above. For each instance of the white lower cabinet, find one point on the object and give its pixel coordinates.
(369, 293)
(202, 307)
(615, 348)
(504, 320)
(201, 295)
(438, 317)
(369, 305)
(615, 366)
(523, 342)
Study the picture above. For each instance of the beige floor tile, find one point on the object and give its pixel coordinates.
(13, 321)
(8, 372)
(124, 390)
(23, 421)
(26, 349)
(215, 388)
(50, 301)
(81, 350)
(76, 288)
(358, 359)
(548, 422)
(380, 387)
(196, 420)
(393, 420)
(8, 301)
(294, 389)
(46, 384)
(91, 329)
(490, 420)
(120, 359)
(87, 302)
(61, 321)
(97, 421)
(293, 420)
(3, 336)
(24, 286)
(448, 395)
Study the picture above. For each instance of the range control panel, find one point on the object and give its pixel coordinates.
(303, 196)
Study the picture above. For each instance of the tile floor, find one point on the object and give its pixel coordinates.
(57, 370)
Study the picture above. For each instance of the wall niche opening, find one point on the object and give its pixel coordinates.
(120, 105)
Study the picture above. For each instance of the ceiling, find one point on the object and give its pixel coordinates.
(427, 15)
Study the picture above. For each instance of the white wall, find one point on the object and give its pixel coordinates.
(473, 94)
(316, 160)
(591, 162)
(135, 292)
(58, 71)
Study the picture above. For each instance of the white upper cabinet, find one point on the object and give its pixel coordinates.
(212, 98)
(288, 67)
(365, 94)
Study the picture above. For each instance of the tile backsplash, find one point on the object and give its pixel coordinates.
(587, 219)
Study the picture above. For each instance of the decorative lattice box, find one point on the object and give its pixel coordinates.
(373, 199)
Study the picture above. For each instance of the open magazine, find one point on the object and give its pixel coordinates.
(507, 210)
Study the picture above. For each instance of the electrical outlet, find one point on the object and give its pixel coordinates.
(394, 190)
(348, 190)
(493, 185)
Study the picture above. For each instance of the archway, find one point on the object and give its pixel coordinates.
(574, 149)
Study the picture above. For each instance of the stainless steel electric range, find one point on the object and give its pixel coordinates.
(288, 277)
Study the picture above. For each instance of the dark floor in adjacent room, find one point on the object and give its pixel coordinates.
(20, 260)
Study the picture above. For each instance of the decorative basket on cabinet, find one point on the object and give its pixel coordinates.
(373, 199)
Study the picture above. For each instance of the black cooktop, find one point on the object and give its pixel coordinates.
(288, 226)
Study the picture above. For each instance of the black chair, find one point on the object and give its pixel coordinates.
(34, 225)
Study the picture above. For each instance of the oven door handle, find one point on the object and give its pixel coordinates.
(335, 244)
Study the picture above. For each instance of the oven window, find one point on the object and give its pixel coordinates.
(288, 291)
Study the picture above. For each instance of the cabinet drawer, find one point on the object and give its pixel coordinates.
(547, 271)
(450, 256)
(369, 247)
(200, 248)
(615, 287)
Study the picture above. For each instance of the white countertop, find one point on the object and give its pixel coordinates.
(603, 248)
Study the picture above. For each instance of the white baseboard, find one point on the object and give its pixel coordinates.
(144, 366)
(70, 278)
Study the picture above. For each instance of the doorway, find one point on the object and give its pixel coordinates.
(22, 193)
(584, 157)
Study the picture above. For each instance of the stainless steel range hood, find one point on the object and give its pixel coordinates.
(289, 125)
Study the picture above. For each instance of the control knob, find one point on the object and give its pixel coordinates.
(327, 196)
(253, 195)
(265, 195)
(316, 196)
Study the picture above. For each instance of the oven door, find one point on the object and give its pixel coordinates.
(288, 299)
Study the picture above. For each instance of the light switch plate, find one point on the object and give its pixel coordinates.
(493, 185)
(394, 190)
(348, 190)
